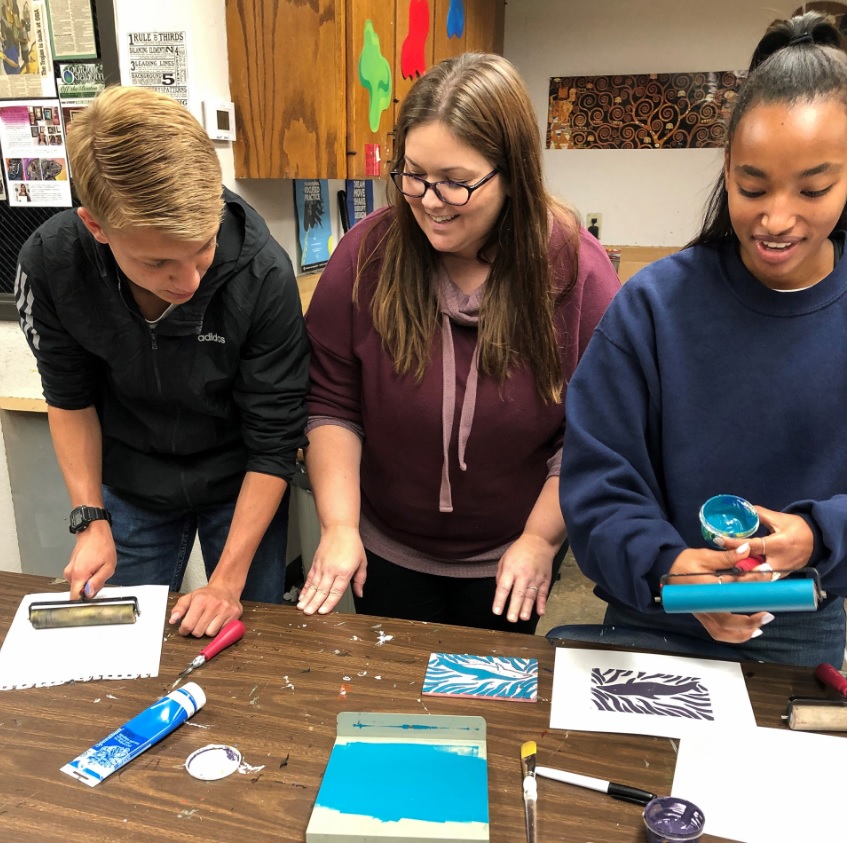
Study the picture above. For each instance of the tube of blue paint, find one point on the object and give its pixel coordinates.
(137, 735)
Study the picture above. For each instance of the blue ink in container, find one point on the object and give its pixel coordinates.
(137, 735)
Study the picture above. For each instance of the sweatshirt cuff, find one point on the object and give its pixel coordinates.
(819, 551)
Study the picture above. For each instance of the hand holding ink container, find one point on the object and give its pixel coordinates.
(137, 735)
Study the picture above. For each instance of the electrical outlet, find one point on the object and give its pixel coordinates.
(594, 223)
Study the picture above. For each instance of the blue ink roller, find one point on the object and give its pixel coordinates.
(793, 594)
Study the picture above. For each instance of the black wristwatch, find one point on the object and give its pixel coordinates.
(82, 516)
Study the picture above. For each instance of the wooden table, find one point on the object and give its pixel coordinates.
(275, 696)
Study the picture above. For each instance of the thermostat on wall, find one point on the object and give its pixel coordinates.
(219, 119)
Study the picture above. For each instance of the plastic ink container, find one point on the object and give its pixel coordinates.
(137, 735)
(729, 517)
(669, 819)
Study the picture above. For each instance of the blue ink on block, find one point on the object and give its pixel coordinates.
(497, 677)
(393, 781)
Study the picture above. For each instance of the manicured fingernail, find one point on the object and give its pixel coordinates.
(764, 568)
(756, 634)
(718, 540)
(767, 618)
(173, 618)
(744, 550)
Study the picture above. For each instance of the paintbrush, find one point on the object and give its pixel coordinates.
(530, 787)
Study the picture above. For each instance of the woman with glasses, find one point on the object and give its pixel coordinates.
(444, 331)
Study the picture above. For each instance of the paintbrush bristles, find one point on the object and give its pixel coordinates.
(528, 748)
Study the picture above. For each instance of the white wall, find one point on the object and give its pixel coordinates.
(18, 378)
(647, 197)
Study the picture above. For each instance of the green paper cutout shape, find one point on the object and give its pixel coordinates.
(375, 76)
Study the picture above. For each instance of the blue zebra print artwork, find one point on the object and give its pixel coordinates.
(496, 677)
(660, 694)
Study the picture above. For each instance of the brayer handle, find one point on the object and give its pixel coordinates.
(231, 633)
(832, 678)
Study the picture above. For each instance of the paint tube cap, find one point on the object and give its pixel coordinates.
(195, 694)
(212, 762)
(670, 819)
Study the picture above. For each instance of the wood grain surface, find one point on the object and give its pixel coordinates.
(275, 696)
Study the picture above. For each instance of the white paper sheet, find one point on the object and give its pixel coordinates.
(644, 694)
(43, 657)
(792, 790)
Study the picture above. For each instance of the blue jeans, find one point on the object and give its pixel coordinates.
(798, 638)
(153, 547)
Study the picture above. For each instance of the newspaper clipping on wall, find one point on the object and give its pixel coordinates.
(72, 29)
(78, 83)
(26, 62)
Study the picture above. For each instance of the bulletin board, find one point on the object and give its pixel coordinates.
(67, 52)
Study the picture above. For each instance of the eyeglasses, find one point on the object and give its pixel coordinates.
(449, 192)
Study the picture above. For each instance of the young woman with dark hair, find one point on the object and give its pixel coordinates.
(723, 368)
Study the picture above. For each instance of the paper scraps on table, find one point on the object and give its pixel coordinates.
(44, 657)
(645, 694)
(494, 677)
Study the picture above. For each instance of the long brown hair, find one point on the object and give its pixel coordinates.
(485, 104)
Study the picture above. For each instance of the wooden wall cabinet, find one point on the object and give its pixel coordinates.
(296, 68)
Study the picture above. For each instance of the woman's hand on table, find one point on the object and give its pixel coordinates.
(340, 558)
(523, 578)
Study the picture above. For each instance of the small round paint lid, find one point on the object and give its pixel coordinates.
(670, 819)
(213, 761)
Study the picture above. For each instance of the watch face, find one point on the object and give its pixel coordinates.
(82, 516)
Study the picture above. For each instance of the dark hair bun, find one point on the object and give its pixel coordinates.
(810, 28)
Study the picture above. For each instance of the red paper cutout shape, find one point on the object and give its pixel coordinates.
(413, 53)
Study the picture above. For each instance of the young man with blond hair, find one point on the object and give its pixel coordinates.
(167, 327)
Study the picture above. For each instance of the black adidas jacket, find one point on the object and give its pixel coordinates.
(217, 388)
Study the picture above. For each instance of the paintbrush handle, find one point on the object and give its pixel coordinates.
(530, 801)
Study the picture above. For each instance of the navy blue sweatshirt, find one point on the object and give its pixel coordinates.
(700, 380)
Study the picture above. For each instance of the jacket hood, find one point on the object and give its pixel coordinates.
(242, 235)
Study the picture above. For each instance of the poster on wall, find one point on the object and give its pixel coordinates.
(360, 199)
(159, 61)
(72, 29)
(34, 157)
(644, 111)
(78, 83)
(26, 68)
(311, 203)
